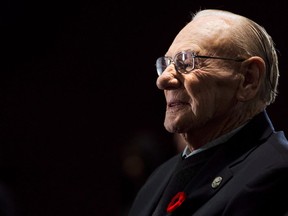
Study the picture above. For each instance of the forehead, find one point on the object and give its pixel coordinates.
(203, 34)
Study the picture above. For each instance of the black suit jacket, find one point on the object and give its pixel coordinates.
(253, 171)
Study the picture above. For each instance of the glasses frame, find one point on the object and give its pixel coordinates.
(193, 55)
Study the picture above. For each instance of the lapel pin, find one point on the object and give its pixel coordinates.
(216, 182)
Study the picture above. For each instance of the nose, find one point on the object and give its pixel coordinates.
(168, 79)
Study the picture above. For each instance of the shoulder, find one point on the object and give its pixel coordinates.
(276, 147)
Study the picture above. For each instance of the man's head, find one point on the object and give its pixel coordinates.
(234, 74)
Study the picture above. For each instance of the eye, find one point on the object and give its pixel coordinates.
(185, 62)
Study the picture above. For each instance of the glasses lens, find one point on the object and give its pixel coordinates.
(184, 62)
(161, 64)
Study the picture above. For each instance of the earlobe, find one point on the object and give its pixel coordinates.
(252, 71)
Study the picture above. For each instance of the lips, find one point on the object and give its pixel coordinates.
(177, 103)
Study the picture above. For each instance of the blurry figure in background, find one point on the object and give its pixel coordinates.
(218, 76)
(7, 199)
(139, 158)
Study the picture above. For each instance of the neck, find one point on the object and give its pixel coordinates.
(215, 128)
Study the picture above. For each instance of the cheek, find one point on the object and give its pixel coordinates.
(204, 104)
(202, 99)
(210, 94)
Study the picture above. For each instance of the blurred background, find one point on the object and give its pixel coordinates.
(81, 121)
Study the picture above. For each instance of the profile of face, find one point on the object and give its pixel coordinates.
(206, 95)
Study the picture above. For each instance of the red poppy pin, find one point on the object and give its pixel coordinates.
(177, 200)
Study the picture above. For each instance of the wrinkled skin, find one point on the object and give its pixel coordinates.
(212, 99)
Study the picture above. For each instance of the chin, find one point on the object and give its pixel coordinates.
(179, 125)
(174, 128)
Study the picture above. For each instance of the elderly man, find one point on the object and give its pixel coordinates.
(218, 76)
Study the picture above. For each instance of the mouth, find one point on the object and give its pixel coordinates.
(177, 104)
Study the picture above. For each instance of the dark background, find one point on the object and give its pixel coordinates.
(81, 117)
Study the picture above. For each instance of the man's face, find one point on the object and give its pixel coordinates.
(205, 96)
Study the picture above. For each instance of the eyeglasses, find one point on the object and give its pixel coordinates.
(184, 61)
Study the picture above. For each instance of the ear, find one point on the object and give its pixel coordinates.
(253, 71)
